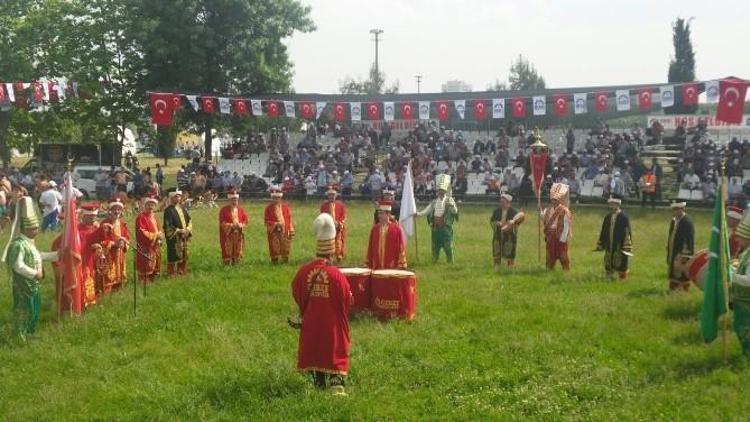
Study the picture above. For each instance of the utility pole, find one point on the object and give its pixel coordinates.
(377, 32)
(419, 81)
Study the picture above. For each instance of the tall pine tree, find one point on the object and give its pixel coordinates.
(682, 64)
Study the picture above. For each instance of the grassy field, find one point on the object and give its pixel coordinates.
(485, 345)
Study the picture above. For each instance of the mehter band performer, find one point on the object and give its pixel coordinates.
(615, 240)
(504, 222)
(178, 229)
(232, 223)
(279, 227)
(680, 247)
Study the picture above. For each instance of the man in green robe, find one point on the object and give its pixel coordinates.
(740, 286)
(441, 214)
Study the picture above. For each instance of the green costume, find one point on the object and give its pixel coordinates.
(23, 262)
(741, 301)
(441, 214)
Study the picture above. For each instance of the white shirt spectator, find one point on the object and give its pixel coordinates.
(50, 200)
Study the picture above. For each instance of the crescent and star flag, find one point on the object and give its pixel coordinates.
(207, 105)
(355, 110)
(460, 106)
(540, 105)
(602, 101)
(644, 99)
(498, 108)
(37, 94)
(273, 109)
(731, 100)
(519, 107)
(407, 111)
(408, 205)
(69, 258)
(424, 110)
(339, 112)
(561, 105)
(622, 99)
(690, 94)
(176, 102)
(20, 95)
(712, 91)
(193, 100)
(162, 108)
(480, 110)
(319, 107)
(373, 111)
(3, 96)
(256, 107)
(240, 107)
(224, 105)
(289, 108)
(307, 110)
(389, 111)
(580, 105)
(442, 111)
(666, 93)
(717, 274)
(52, 92)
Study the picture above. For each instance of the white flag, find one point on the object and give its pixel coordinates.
(355, 110)
(11, 93)
(45, 87)
(580, 104)
(712, 91)
(319, 107)
(622, 97)
(498, 108)
(460, 107)
(257, 107)
(408, 205)
(388, 111)
(192, 99)
(224, 106)
(540, 105)
(60, 86)
(666, 93)
(424, 110)
(289, 108)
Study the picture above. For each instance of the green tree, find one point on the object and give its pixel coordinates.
(682, 64)
(524, 76)
(374, 85)
(497, 86)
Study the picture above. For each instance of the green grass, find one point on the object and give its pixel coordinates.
(484, 345)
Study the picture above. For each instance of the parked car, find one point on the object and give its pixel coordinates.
(83, 178)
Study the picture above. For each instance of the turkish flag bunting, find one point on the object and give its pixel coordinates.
(519, 107)
(561, 105)
(38, 93)
(339, 112)
(307, 110)
(443, 112)
(3, 96)
(207, 105)
(273, 109)
(644, 99)
(600, 99)
(690, 94)
(20, 94)
(480, 110)
(373, 111)
(176, 102)
(162, 108)
(407, 111)
(239, 106)
(731, 100)
(54, 97)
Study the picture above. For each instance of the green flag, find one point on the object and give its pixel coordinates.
(714, 301)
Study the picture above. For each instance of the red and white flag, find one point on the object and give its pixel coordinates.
(690, 94)
(561, 105)
(273, 109)
(339, 112)
(443, 113)
(373, 111)
(162, 108)
(601, 101)
(480, 110)
(71, 276)
(407, 111)
(239, 106)
(731, 100)
(307, 110)
(644, 99)
(519, 108)
(207, 105)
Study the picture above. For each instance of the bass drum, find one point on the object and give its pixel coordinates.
(697, 267)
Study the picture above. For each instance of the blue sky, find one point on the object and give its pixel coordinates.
(571, 43)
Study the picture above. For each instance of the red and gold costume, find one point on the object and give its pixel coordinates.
(86, 231)
(337, 210)
(279, 227)
(114, 238)
(557, 228)
(148, 236)
(232, 222)
(386, 248)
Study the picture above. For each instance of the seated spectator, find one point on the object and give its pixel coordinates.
(709, 189)
(691, 180)
(735, 188)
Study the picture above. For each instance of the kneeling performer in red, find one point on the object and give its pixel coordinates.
(323, 296)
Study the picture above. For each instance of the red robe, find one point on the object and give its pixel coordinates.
(734, 245)
(111, 266)
(323, 296)
(337, 210)
(148, 259)
(386, 249)
(232, 238)
(555, 220)
(279, 238)
(88, 292)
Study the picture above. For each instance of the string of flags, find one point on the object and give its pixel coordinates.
(35, 94)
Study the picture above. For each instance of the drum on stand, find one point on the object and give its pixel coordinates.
(697, 267)
(393, 294)
(359, 282)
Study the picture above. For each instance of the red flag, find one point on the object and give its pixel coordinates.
(239, 106)
(176, 102)
(644, 99)
(731, 100)
(601, 101)
(339, 112)
(307, 110)
(690, 94)
(443, 111)
(20, 94)
(207, 105)
(162, 108)
(407, 111)
(373, 111)
(69, 259)
(519, 107)
(38, 93)
(538, 163)
(561, 105)
(3, 96)
(54, 96)
(480, 110)
(273, 109)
